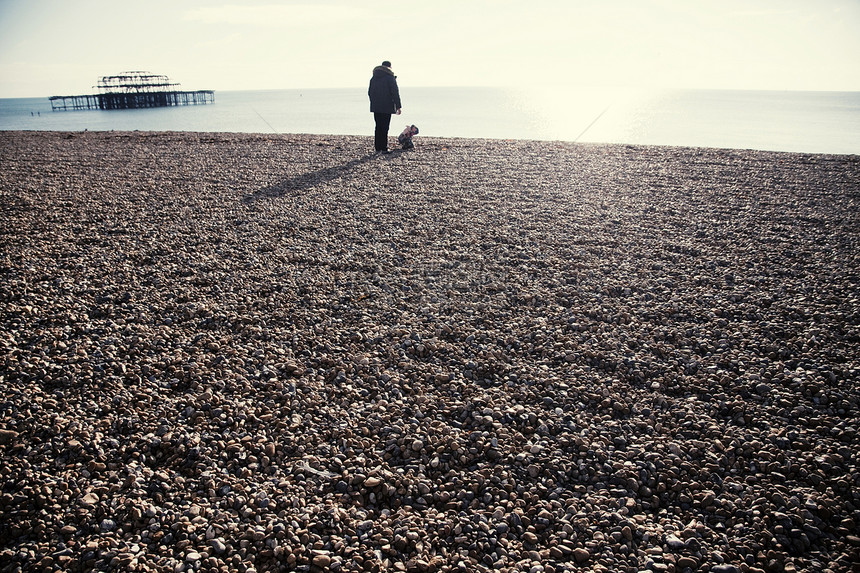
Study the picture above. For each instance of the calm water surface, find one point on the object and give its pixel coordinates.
(816, 122)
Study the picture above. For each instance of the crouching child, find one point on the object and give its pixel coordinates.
(405, 137)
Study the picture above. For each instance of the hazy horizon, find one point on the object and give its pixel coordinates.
(94, 90)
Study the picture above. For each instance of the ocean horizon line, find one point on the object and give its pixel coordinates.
(801, 121)
(406, 87)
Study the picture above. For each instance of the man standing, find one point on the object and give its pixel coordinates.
(384, 100)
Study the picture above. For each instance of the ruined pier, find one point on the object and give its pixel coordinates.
(133, 90)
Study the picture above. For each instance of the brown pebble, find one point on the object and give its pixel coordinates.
(372, 481)
(530, 537)
(7, 436)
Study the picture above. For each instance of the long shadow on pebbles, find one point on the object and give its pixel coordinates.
(308, 180)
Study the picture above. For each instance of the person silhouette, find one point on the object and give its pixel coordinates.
(384, 101)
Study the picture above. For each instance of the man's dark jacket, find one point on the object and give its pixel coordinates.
(383, 92)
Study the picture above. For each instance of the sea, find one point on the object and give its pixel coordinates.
(795, 121)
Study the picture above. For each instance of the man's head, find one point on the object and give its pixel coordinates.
(386, 63)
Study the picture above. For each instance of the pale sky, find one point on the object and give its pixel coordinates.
(62, 47)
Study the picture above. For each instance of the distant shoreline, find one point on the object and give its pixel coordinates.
(464, 140)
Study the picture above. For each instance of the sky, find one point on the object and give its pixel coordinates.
(62, 47)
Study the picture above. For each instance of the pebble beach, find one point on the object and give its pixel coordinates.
(252, 353)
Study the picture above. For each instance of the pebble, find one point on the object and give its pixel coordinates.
(322, 560)
(530, 537)
(581, 555)
(251, 352)
(725, 569)
(7, 436)
(674, 542)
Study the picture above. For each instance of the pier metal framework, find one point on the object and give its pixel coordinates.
(136, 82)
(133, 90)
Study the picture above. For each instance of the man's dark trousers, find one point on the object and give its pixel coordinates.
(383, 121)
